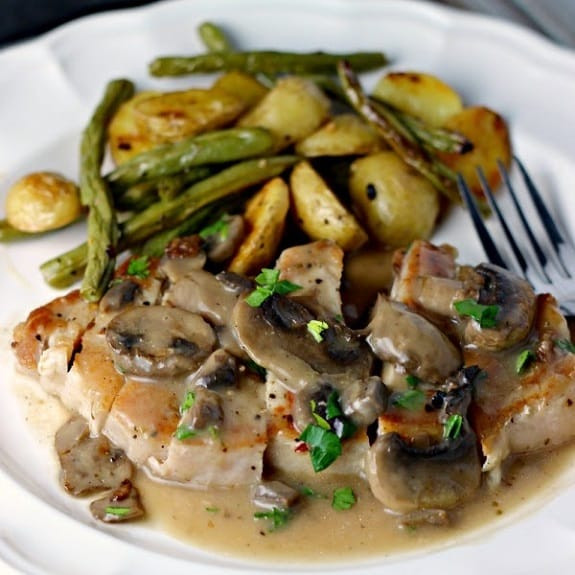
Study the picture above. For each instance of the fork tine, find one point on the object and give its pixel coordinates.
(491, 250)
(553, 233)
(502, 222)
(540, 255)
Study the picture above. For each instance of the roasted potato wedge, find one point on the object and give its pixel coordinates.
(419, 94)
(344, 135)
(125, 138)
(42, 201)
(265, 218)
(489, 134)
(318, 211)
(176, 115)
(395, 203)
(243, 86)
(291, 111)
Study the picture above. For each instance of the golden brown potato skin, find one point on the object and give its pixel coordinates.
(265, 217)
(395, 204)
(319, 213)
(489, 134)
(42, 201)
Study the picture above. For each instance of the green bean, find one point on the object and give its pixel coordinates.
(65, 269)
(141, 195)
(216, 147)
(214, 38)
(396, 135)
(103, 231)
(9, 233)
(264, 62)
(229, 181)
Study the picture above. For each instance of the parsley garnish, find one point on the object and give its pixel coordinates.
(324, 446)
(188, 402)
(412, 381)
(309, 492)
(268, 284)
(343, 498)
(184, 432)
(565, 345)
(278, 516)
(256, 368)
(411, 399)
(212, 509)
(220, 227)
(452, 426)
(321, 421)
(316, 327)
(139, 267)
(118, 511)
(524, 360)
(485, 315)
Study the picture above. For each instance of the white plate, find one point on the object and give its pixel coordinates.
(48, 88)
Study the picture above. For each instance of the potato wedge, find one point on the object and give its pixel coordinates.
(243, 86)
(419, 94)
(291, 111)
(395, 203)
(265, 218)
(125, 138)
(491, 140)
(176, 115)
(344, 135)
(318, 211)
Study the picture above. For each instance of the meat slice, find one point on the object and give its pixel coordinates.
(225, 451)
(317, 267)
(46, 341)
(533, 409)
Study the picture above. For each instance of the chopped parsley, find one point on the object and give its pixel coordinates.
(220, 227)
(485, 315)
(184, 432)
(316, 327)
(321, 421)
(565, 345)
(278, 517)
(268, 284)
(118, 511)
(343, 498)
(139, 267)
(411, 399)
(256, 368)
(412, 381)
(324, 446)
(212, 509)
(188, 402)
(307, 491)
(452, 426)
(524, 360)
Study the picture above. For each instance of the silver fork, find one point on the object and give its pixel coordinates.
(538, 251)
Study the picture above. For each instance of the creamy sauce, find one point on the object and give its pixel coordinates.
(223, 522)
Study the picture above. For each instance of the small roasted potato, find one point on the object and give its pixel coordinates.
(419, 94)
(125, 138)
(243, 86)
(173, 116)
(319, 212)
(292, 110)
(344, 135)
(42, 201)
(489, 133)
(394, 202)
(265, 218)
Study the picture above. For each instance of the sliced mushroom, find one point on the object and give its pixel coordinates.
(274, 494)
(516, 302)
(159, 341)
(206, 411)
(406, 478)
(88, 464)
(183, 256)
(220, 370)
(401, 336)
(363, 401)
(122, 505)
(275, 336)
(222, 246)
(119, 295)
